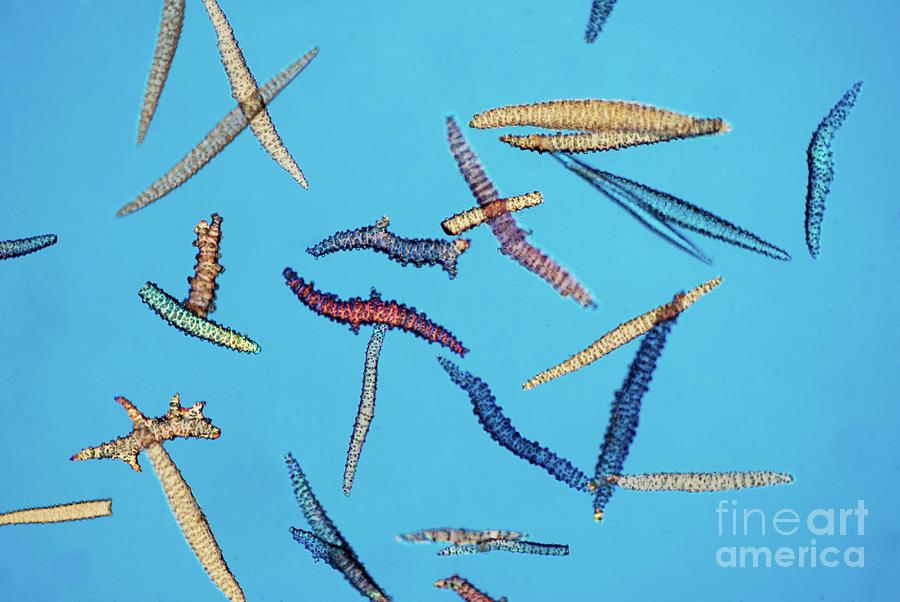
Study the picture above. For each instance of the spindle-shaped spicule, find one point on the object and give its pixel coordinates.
(454, 535)
(149, 434)
(325, 542)
(598, 124)
(466, 220)
(622, 334)
(166, 45)
(511, 237)
(600, 10)
(624, 415)
(246, 92)
(697, 482)
(215, 141)
(23, 246)
(201, 299)
(505, 545)
(673, 210)
(357, 312)
(366, 411)
(820, 160)
(465, 590)
(501, 430)
(58, 514)
(416, 251)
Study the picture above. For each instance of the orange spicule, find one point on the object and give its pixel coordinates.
(466, 590)
(466, 220)
(201, 299)
(59, 513)
(623, 334)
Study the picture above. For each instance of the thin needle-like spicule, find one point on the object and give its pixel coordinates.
(366, 406)
(625, 413)
(453, 535)
(697, 482)
(600, 10)
(465, 590)
(246, 92)
(672, 210)
(623, 333)
(501, 430)
(505, 545)
(149, 434)
(461, 222)
(598, 124)
(166, 45)
(820, 160)
(325, 542)
(215, 141)
(357, 312)
(24, 246)
(511, 237)
(58, 514)
(416, 251)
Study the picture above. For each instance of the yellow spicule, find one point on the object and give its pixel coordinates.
(470, 218)
(246, 92)
(201, 299)
(166, 45)
(599, 116)
(58, 514)
(624, 333)
(584, 142)
(193, 522)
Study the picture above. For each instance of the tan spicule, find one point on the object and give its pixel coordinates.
(245, 90)
(177, 422)
(59, 513)
(201, 299)
(166, 44)
(597, 115)
(193, 522)
(458, 536)
(624, 333)
(584, 142)
(699, 481)
(466, 220)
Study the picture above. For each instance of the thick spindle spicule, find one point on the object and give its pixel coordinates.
(465, 590)
(466, 220)
(456, 535)
(166, 45)
(697, 482)
(59, 513)
(505, 545)
(201, 299)
(23, 246)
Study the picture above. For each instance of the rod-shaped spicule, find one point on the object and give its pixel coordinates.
(325, 542)
(696, 482)
(511, 237)
(202, 293)
(193, 522)
(498, 426)
(357, 312)
(166, 45)
(600, 10)
(506, 545)
(24, 246)
(624, 414)
(169, 309)
(416, 251)
(454, 535)
(185, 422)
(366, 406)
(465, 590)
(58, 514)
(214, 142)
(466, 220)
(820, 160)
(246, 92)
(588, 142)
(623, 333)
(674, 210)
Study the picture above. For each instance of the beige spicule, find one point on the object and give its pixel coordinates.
(201, 299)
(247, 93)
(700, 481)
(595, 115)
(59, 513)
(166, 45)
(623, 333)
(193, 522)
(585, 142)
(459, 536)
(466, 220)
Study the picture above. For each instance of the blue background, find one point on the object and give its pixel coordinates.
(787, 366)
